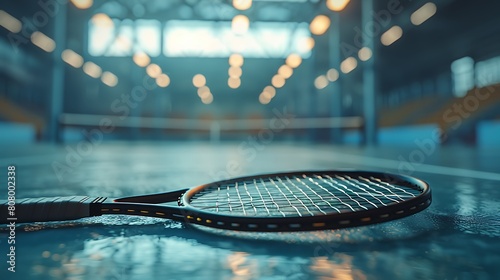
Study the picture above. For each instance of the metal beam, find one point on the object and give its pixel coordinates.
(57, 91)
(369, 85)
(335, 87)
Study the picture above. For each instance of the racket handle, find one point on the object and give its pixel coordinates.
(49, 209)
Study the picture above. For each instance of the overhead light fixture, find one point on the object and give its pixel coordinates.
(109, 79)
(82, 4)
(199, 80)
(423, 13)
(242, 4)
(332, 75)
(141, 59)
(233, 82)
(203, 92)
(153, 70)
(391, 35)
(364, 53)
(43, 41)
(278, 81)
(163, 80)
(348, 65)
(236, 59)
(207, 100)
(240, 24)
(285, 71)
(234, 71)
(102, 20)
(92, 69)
(321, 82)
(9, 22)
(319, 25)
(336, 5)
(293, 60)
(72, 58)
(263, 99)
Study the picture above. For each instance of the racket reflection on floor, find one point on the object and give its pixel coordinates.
(280, 202)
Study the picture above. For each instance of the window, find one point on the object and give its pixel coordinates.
(124, 38)
(488, 72)
(463, 76)
(216, 39)
(191, 38)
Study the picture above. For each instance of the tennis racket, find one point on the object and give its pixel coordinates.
(296, 201)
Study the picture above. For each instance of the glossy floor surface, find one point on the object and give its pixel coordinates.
(457, 237)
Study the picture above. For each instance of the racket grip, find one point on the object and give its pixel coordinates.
(49, 209)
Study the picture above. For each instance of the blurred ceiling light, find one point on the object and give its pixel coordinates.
(235, 71)
(109, 79)
(163, 80)
(391, 35)
(423, 13)
(72, 58)
(285, 71)
(92, 69)
(208, 99)
(309, 43)
(332, 75)
(240, 24)
(278, 81)
(203, 92)
(242, 4)
(153, 70)
(267, 94)
(321, 82)
(236, 59)
(319, 25)
(9, 22)
(199, 80)
(141, 59)
(233, 82)
(348, 65)
(102, 20)
(293, 60)
(336, 5)
(42, 41)
(263, 99)
(270, 91)
(364, 53)
(82, 4)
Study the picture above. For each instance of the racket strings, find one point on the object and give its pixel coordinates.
(285, 196)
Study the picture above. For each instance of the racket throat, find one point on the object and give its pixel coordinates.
(142, 209)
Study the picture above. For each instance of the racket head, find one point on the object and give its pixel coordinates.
(305, 200)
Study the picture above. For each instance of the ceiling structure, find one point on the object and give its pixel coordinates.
(459, 28)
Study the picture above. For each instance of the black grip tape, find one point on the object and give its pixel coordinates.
(50, 209)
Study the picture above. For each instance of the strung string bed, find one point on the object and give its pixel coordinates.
(302, 195)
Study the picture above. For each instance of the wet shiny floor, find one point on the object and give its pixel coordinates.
(457, 237)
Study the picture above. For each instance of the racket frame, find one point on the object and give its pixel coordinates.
(185, 212)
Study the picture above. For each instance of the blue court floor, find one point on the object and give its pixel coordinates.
(457, 237)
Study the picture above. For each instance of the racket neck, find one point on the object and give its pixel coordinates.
(143, 209)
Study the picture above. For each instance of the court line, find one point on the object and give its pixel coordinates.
(426, 168)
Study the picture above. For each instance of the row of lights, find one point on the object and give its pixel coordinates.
(418, 17)
(90, 68)
(153, 70)
(346, 66)
(200, 82)
(284, 72)
(235, 63)
(47, 44)
(319, 25)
